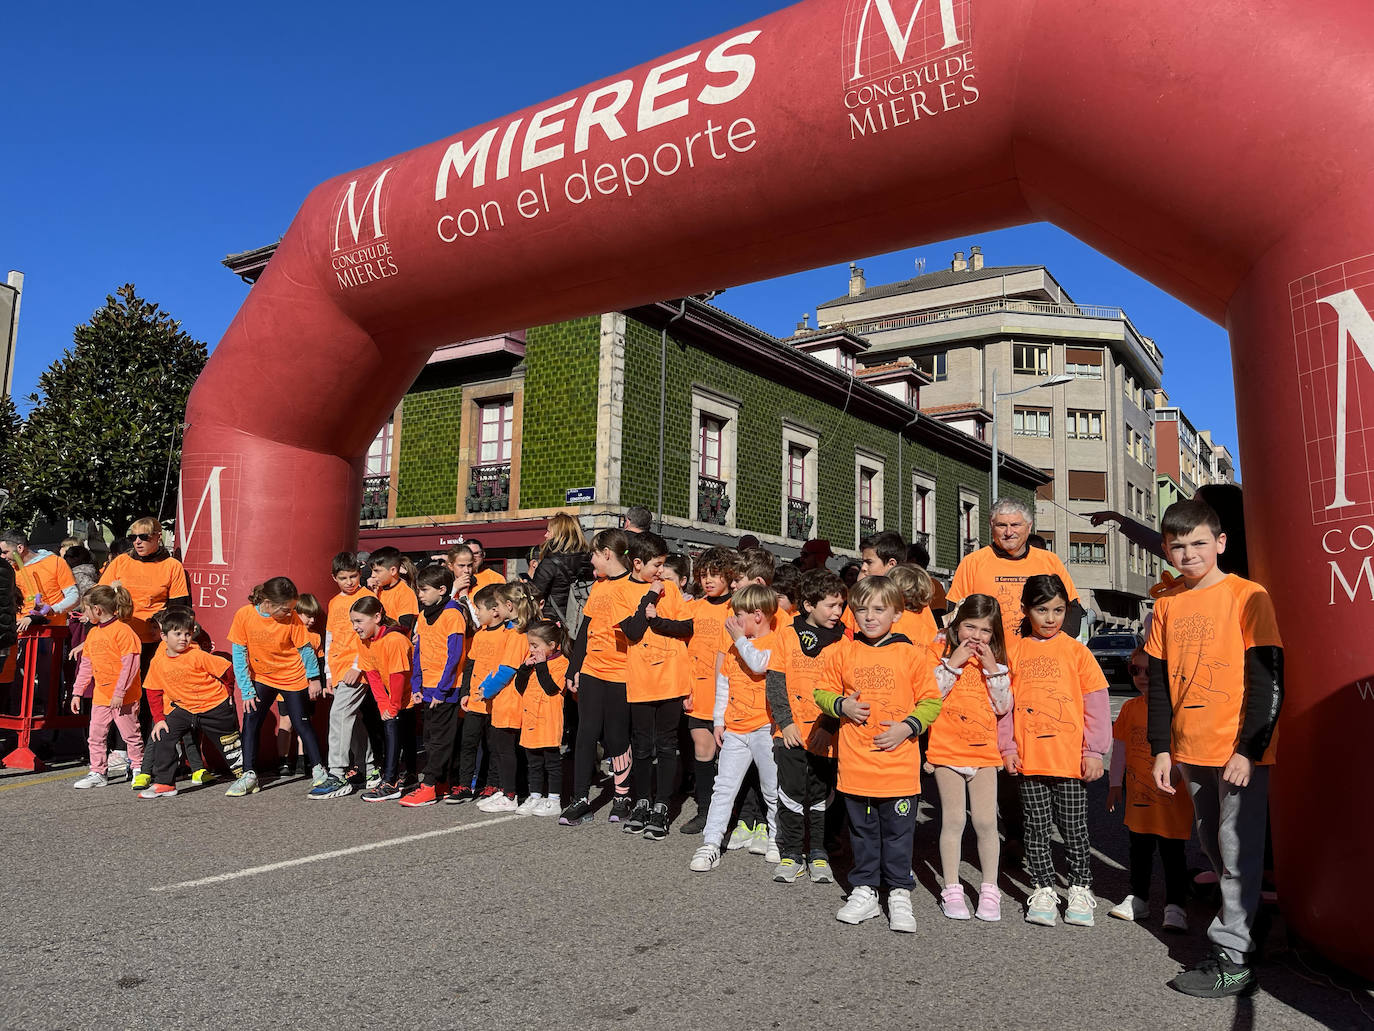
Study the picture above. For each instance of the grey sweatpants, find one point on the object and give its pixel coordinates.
(347, 732)
(1230, 828)
(737, 752)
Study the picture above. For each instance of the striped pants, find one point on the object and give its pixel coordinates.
(1062, 801)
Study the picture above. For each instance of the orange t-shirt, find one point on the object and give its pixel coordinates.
(399, 600)
(541, 713)
(917, 627)
(892, 677)
(46, 580)
(486, 652)
(708, 617)
(151, 585)
(1202, 635)
(966, 732)
(747, 709)
(1048, 684)
(485, 578)
(804, 673)
(609, 603)
(506, 707)
(1148, 810)
(106, 647)
(273, 645)
(987, 572)
(431, 644)
(343, 639)
(192, 680)
(386, 654)
(657, 666)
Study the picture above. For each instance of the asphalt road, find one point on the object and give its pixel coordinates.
(274, 911)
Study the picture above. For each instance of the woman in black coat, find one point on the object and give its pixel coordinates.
(566, 558)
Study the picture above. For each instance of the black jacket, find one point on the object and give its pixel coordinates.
(555, 575)
(9, 607)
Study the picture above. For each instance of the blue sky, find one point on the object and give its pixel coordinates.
(143, 144)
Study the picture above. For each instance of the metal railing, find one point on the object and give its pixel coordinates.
(867, 526)
(799, 519)
(713, 500)
(971, 545)
(489, 488)
(376, 490)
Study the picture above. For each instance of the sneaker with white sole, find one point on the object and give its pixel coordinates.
(158, 791)
(530, 805)
(374, 778)
(140, 780)
(861, 905)
(333, 787)
(383, 792)
(656, 829)
(1079, 911)
(1130, 908)
(819, 869)
(771, 855)
(759, 841)
(245, 785)
(203, 776)
(1175, 918)
(638, 818)
(92, 780)
(953, 902)
(499, 803)
(578, 812)
(989, 903)
(1043, 907)
(899, 914)
(551, 805)
(787, 871)
(705, 859)
(741, 836)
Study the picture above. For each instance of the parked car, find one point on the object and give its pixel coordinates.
(1112, 650)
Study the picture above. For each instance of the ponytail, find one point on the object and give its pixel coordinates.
(111, 599)
(549, 632)
(277, 591)
(526, 611)
(408, 572)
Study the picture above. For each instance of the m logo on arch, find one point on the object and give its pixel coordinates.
(885, 36)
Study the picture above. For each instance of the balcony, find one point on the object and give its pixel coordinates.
(489, 488)
(971, 545)
(376, 490)
(713, 500)
(868, 526)
(799, 519)
(923, 539)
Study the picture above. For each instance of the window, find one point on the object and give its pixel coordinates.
(1049, 538)
(968, 522)
(1137, 446)
(711, 431)
(933, 365)
(923, 511)
(1083, 362)
(1045, 492)
(866, 493)
(1032, 359)
(1031, 422)
(799, 450)
(379, 454)
(1087, 486)
(494, 440)
(1088, 548)
(1084, 425)
(796, 472)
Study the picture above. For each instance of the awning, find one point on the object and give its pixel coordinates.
(497, 536)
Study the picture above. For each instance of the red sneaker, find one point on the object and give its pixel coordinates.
(425, 794)
(488, 791)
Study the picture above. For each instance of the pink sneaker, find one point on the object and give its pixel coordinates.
(952, 902)
(989, 903)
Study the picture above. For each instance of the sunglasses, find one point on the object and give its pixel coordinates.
(141, 536)
(1139, 669)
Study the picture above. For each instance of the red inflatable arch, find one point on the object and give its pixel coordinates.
(1221, 149)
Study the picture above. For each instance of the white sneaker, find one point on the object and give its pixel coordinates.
(862, 905)
(92, 780)
(1082, 902)
(1131, 908)
(1175, 918)
(758, 841)
(899, 915)
(530, 805)
(117, 765)
(705, 859)
(374, 778)
(771, 856)
(498, 803)
(742, 835)
(1043, 907)
(550, 806)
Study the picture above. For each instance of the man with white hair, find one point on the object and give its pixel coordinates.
(1001, 568)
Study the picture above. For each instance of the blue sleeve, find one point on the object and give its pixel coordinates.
(417, 675)
(448, 680)
(497, 681)
(312, 662)
(242, 673)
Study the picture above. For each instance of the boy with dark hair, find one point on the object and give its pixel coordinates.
(393, 592)
(880, 552)
(787, 586)
(1216, 688)
(436, 666)
(352, 699)
(708, 610)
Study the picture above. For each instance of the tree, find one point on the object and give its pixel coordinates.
(103, 440)
(16, 508)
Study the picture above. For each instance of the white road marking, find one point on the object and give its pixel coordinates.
(254, 871)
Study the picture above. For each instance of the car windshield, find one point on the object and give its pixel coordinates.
(1113, 641)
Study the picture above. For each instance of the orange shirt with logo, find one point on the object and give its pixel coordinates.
(399, 600)
(193, 680)
(657, 666)
(507, 705)
(486, 653)
(431, 644)
(343, 639)
(804, 673)
(966, 732)
(106, 647)
(708, 617)
(386, 655)
(273, 647)
(747, 709)
(1050, 679)
(151, 585)
(46, 580)
(610, 603)
(1148, 810)
(892, 678)
(1202, 635)
(541, 715)
(986, 571)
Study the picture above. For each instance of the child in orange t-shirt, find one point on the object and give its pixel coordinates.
(439, 643)
(192, 683)
(540, 682)
(975, 683)
(1154, 820)
(384, 656)
(274, 659)
(355, 725)
(109, 675)
(656, 681)
(1216, 689)
(516, 609)
(708, 610)
(916, 623)
(1060, 729)
(311, 613)
(485, 652)
(882, 689)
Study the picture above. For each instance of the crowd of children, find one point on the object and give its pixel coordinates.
(788, 689)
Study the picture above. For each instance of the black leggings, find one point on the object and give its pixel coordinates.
(474, 730)
(653, 735)
(294, 703)
(545, 769)
(1175, 867)
(603, 714)
(502, 741)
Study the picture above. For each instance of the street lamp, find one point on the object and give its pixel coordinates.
(1053, 381)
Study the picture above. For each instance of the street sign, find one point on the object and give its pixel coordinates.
(580, 495)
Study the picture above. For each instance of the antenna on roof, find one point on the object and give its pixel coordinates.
(920, 266)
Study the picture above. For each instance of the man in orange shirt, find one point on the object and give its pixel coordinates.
(1216, 688)
(44, 581)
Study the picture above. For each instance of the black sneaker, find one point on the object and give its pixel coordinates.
(576, 814)
(695, 825)
(657, 827)
(620, 809)
(1215, 977)
(639, 816)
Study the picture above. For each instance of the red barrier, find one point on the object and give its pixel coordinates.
(1217, 148)
(55, 716)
